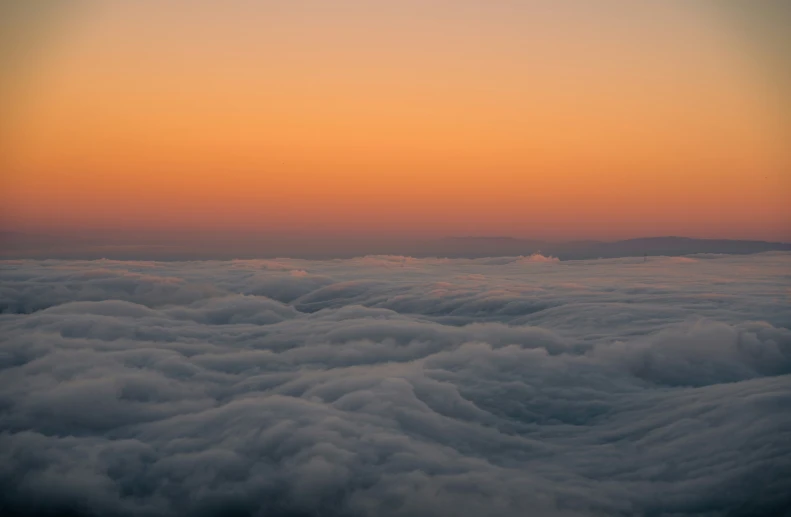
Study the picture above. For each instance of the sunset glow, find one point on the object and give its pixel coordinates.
(601, 120)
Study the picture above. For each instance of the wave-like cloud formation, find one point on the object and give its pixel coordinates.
(392, 386)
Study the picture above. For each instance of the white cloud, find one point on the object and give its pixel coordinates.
(392, 386)
(537, 257)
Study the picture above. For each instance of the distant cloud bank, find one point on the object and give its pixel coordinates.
(396, 386)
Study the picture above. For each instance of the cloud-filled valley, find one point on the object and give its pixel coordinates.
(395, 386)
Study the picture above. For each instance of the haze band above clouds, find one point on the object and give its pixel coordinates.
(392, 386)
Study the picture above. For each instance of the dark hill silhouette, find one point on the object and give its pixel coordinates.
(199, 246)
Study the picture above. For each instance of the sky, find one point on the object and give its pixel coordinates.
(389, 386)
(550, 120)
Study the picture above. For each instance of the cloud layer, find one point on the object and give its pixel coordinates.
(393, 386)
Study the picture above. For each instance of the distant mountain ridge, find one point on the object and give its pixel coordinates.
(672, 246)
(17, 245)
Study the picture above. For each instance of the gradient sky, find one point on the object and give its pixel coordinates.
(413, 117)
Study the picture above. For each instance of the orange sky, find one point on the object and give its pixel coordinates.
(417, 117)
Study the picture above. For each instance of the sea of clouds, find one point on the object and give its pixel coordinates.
(393, 386)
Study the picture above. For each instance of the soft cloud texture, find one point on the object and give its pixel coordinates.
(394, 386)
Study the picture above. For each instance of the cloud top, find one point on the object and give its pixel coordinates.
(394, 386)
